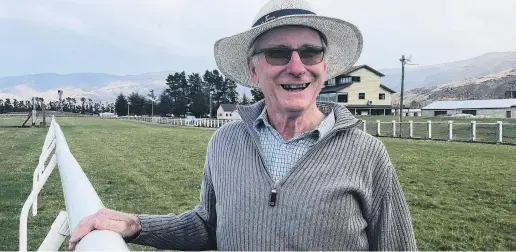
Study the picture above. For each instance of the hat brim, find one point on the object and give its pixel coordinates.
(344, 42)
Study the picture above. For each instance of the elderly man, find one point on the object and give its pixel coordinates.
(293, 174)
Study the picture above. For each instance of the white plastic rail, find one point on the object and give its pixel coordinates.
(81, 199)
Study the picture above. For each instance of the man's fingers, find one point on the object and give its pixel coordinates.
(84, 227)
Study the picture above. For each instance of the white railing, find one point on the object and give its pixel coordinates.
(81, 200)
(483, 132)
(198, 122)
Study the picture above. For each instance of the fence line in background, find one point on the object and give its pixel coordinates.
(473, 131)
(497, 132)
(81, 200)
(197, 122)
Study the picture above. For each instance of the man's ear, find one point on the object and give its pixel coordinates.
(254, 76)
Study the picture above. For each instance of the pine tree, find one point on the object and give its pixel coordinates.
(216, 83)
(257, 94)
(245, 100)
(199, 105)
(165, 104)
(121, 105)
(178, 90)
(231, 93)
(137, 103)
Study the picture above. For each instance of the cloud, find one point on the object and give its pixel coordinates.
(432, 31)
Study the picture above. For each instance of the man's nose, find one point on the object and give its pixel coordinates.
(295, 66)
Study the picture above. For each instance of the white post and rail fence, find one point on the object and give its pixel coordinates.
(81, 199)
(481, 132)
(461, 131)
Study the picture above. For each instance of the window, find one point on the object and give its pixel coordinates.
(361, 96)
(355, 78)
(381, 96)
(331, 82)
(327, 97)
(342, 98)
(345, 80)
(226, 114)
(440, 112)
(508, 114)
(471, 112)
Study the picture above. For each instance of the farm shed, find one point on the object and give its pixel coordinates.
(497, 108)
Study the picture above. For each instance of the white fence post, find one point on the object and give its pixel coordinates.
(473, 131)
(500, 131)
(450, 125)
(411, 129)
(378, 127)
(429, 129)
(393, 128)
(365, 128)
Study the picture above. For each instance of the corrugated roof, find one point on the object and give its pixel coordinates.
(228, 107)
(472, 104)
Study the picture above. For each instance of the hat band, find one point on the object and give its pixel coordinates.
(280, 13)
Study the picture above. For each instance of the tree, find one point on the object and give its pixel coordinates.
(257, 94)
(245, 100)
(83, 100)
(7, 105)
(231, 93)
(121, 105)
(178, 90)
(136, 103)
(214, 81)
(165, 103)
(15, 105)
(199, 105)
(90, 102)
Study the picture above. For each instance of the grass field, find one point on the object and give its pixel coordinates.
(462, 196)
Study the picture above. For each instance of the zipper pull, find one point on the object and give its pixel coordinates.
(272, 199)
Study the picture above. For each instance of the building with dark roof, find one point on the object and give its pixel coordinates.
(228, 111)
(361, 90)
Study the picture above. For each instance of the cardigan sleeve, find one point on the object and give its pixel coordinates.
(390, 225)
(192, 230)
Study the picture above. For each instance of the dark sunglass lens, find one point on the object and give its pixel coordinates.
(311, 56)
(278, 56)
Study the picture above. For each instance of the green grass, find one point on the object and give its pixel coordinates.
(461, 196)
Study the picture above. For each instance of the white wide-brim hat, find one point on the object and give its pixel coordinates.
(344, 40)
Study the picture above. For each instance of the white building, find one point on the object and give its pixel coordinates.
(228, 111)
(497, 108)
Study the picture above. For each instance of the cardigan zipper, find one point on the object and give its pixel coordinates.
(272, 197)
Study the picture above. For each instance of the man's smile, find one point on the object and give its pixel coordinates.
(295, 87)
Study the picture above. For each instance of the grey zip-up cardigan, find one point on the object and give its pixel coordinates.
(343, 194)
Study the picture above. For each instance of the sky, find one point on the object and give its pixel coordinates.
(136, 36)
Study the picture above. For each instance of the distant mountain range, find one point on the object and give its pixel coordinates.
(424, 76)
(492, 86)
(422, 83)
(95, 86)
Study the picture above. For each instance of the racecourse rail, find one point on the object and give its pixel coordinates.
(81, 199)
(458, 131)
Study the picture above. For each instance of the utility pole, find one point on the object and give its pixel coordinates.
(152, 99)
(210, 102)
(127, 108)
(403, 62)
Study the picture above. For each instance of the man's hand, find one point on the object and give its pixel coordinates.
(125, 224)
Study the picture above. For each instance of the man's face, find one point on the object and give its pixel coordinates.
(292, 87)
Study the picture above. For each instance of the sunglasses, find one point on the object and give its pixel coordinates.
(279, 56)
